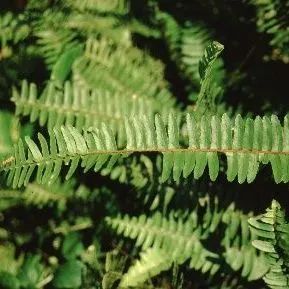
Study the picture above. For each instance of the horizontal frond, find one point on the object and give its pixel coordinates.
(78, 106)
(245, 143)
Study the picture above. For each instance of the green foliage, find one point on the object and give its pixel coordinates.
(272, 19)
(272, 232)
(121, 124)
(246, 143)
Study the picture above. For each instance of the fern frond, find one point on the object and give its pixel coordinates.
(40, 196)
(152, 261)
(54, 42)
(164, 234)
(246, 144)
(77, 106)
(13, 29)
(123, 70)
(187, 45)
(272, 19)
(109, 6)
(251, 266)
(66, 143)
(272, 238)
(111, 27)
(9, 133)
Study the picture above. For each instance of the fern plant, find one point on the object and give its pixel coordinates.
(109, 179)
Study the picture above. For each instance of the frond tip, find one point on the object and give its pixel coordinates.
(272, 238)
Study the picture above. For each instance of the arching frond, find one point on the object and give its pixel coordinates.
(272, 238)
(245, 143)
(123, 70)
(53, 43)
(210, 88)
(163, 233)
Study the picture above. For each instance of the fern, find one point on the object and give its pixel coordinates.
(246, 143)
(272, 235)
(76, 106)
(123, 70)
(13, 29)
(159, 232)
(109, 6)
(272, 19)
(187, 45)
(151, 263)
(53, 43)
(9, 133)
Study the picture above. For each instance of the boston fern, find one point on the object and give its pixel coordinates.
(125, 161)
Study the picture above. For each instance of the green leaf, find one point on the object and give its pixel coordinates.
(68, 275)
(72, 246)
(8, 281)
(31, 271)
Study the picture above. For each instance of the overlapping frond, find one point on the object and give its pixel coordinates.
(245, 143)
(123, 70)
(272, 238)
(239, 254)
(164, 233)
(54, 42)
(78, 106)
(187, 45)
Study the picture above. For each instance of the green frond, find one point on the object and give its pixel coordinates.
(212, 51)
(9, 261)
(40, 196)
(152, 261)
(210, 87)
(67, 146)
(52, 43)
(251, 266)
(124, 70)
(165, 233)
(109, 6)
(112, 27)
(9, 133)
(78, 106)
(272, 19)
(245, 143)
(272, 238)
(13, 29)
(187, 45)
